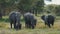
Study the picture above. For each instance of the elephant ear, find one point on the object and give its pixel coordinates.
(43, 17)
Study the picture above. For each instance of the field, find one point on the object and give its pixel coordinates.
(39, 29)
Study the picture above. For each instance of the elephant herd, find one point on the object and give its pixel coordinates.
(30, 20)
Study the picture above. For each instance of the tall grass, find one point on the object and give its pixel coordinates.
(39, 29)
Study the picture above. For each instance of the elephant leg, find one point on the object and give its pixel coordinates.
(11, 24)
(52, 23)
(45, 23)
(35, 22)
(29, 25)
(20, 26)
(15, 24)
(49, 25)
(33, 26)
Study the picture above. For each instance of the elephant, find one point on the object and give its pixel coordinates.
(14, 18)
(18, 26)
(30, 21)
(49, 19)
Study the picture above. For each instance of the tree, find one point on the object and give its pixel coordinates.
(39, 7)
(54, 9)
(2, 6)
(6, 4)
(50, 7)
(57, 12)
(24, 5)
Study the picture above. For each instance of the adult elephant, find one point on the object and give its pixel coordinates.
(49, 19)
(14, 18)
(30, 21)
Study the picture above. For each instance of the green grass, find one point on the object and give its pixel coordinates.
(39, 29)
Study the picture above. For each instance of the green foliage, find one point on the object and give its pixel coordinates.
(39, 6)
(25, 4)
(6, 3)
(6, 19)
(53, 9)
(50, 8)
(57, 10)
(39, 29)
(35, 6)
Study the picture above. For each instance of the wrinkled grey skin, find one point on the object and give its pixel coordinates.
(30, 21)
(48, 20)
(14, 18)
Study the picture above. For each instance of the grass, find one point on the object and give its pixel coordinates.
(39, 29)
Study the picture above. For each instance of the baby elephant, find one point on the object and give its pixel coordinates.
(14, 18)
(48, 20)
(30, 21)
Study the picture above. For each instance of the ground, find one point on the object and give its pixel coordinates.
(39, 29)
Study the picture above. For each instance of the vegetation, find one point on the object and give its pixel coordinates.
(33, 6)
(53, 9)
(22, 5)
(37, 7)
(39, 29)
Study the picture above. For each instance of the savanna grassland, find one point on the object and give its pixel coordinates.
(39, 29)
